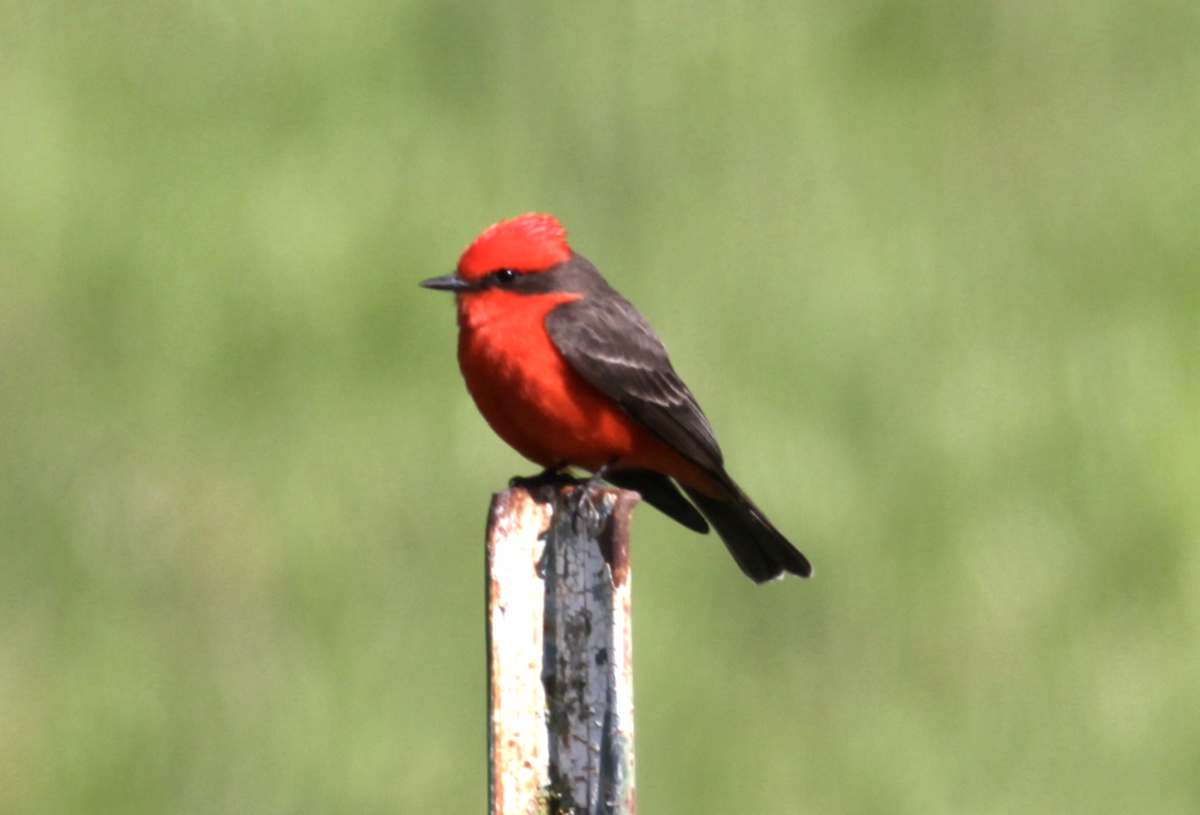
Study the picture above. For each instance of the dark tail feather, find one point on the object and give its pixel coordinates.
(760, 549)
(660, 492)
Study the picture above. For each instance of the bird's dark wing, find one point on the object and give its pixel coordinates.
(616, 351)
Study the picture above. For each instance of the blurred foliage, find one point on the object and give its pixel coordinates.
(933, 269)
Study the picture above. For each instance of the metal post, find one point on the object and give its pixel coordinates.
(560, 674)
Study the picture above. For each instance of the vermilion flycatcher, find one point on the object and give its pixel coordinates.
(566, 371)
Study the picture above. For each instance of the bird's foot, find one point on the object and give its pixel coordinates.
(544, 488)
(579, 501)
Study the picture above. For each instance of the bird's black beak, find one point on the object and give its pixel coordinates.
(450, 282)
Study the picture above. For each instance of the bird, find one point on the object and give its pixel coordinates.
(568, 373)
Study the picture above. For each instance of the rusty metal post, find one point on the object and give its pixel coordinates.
(560, 677)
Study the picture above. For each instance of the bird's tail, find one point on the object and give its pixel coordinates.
(760, 549)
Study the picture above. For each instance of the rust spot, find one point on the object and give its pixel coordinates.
(614, 538)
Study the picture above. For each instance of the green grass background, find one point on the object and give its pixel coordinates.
(932, 268)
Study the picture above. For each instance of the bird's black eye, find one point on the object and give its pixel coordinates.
(504, 276)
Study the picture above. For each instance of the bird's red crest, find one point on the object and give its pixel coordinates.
(527, 243)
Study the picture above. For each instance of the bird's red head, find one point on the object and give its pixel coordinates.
(527, 243)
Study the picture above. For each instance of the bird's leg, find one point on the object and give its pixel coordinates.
(597, 479)
(581, 506)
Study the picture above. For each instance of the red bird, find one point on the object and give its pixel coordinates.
(566, 371)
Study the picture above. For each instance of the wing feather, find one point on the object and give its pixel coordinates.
(616, 351)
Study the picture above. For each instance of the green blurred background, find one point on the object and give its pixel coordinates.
(932, 268)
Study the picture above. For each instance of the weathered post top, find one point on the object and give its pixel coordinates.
(560, 678)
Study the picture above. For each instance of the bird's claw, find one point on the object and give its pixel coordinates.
(583, 509)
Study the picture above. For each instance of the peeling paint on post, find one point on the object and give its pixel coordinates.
(517, 742)
(560, 672)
